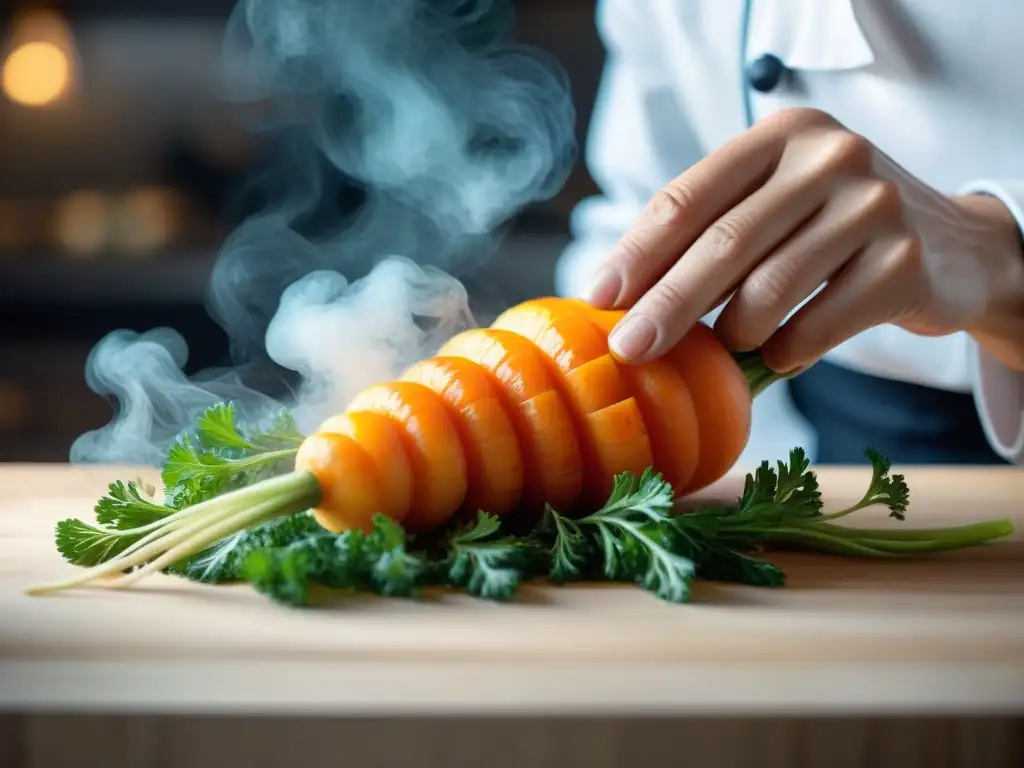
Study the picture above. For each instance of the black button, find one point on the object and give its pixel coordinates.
(765, 73)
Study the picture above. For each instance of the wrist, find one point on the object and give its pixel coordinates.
(1000, 326)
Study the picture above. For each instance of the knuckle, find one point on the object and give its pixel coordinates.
(764, 290)
(667, 298)
(726, 238)
(797, 343)
(630, 254)
(669, 205)
(754, 310)
(883, 198)
(736, 328)
(842, 151)
(905, 257)
(794, 117)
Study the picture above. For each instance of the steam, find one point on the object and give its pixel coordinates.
(374, 327)
(444, 129)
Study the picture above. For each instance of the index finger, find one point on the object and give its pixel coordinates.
(680, 212)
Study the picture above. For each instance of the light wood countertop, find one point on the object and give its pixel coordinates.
(943, 634)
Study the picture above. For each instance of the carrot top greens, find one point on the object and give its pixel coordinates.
(233, 509)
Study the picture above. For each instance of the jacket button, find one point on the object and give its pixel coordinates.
(765, 73)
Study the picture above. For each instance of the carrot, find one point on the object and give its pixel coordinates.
(533, 410)
(722, 398)
(494, 461)
(348, 500)
(613, 437)
(550, 448)
(381, 439)
(663, 396)
(432, 444)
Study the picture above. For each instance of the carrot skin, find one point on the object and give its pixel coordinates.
(722, 400)
(348, 478)
(433, 447)
(381, 439)
(494, 463)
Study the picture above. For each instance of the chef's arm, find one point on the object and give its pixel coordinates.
(639, 137)
(999, 357)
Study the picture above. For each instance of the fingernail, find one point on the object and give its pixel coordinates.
(632, 337)
(604, 290)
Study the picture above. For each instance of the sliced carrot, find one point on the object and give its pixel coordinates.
(695, 442)
(596, 384)
(670, 414)
(518, 365)
(623, 447)
(590, 378)
(381, 438)
(352, 489)
(564, 335)
(604, 319)
(549, 445)
(570, 341)
(432, 442)
(722, 398)
(494, 463)
(552, 442)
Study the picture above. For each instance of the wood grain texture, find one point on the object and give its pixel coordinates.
(943, 634)
(85, 741)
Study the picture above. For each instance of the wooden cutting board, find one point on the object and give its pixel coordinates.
(939, 634)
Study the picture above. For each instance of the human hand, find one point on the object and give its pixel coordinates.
(796, 202)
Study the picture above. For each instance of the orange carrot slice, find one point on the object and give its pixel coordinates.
(670, 414)
(564, 335)
(722, 399)
(348, 478)
(679, 430)
(381, 438)
(433, 446)
(590, 378)
(620, 433)
(494, 463)
(553, 440)
(549, 446)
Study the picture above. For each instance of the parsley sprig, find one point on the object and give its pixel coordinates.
(233, 510)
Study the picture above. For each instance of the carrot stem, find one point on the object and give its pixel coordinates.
(758, 375)
(236, 511)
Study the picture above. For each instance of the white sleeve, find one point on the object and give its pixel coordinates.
(639, 138)
(999, 390)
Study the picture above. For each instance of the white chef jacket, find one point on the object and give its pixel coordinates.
(938, 85)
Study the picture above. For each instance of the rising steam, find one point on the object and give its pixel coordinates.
(447, 128)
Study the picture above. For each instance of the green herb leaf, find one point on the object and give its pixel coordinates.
(890, 490)
(223, 561)
(572, 551)
(222, 457)
(281, 574)
(216, 429)
(376, 562)
(797, 486)
(485, 564)
(87, 545)
(126, 506)
(394, 570)
(632, 534)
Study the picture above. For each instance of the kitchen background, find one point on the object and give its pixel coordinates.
(121, 172)
(119, 177)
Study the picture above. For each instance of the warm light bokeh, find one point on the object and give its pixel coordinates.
(36, 74)
(39, 69)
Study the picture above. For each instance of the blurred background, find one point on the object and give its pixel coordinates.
(120, 175)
